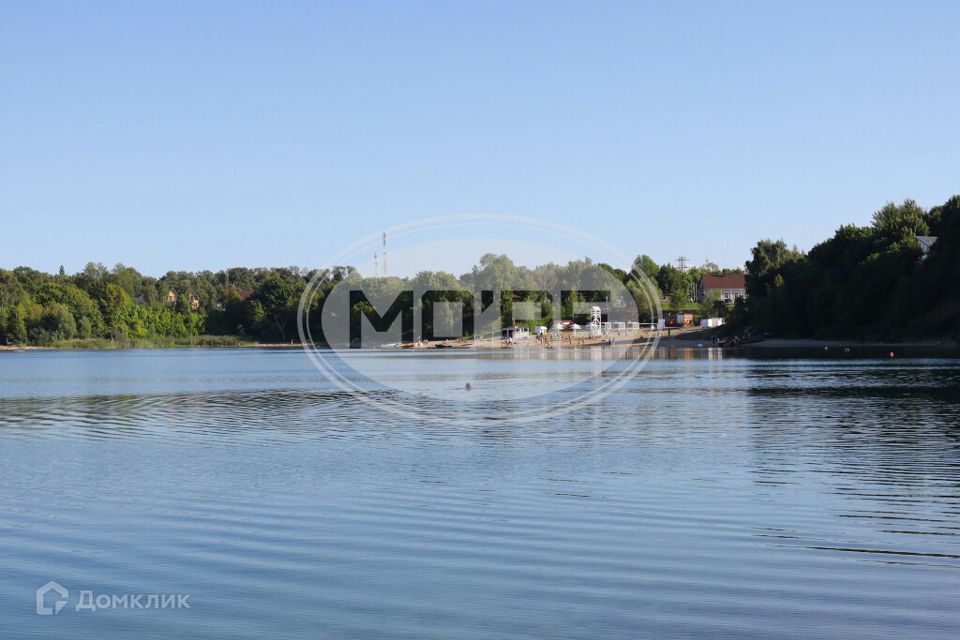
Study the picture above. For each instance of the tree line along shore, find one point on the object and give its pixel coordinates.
(893, 280)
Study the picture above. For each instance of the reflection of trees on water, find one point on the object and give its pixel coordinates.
(887, 424)
(880, 442)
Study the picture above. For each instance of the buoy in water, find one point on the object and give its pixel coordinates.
(891, 354)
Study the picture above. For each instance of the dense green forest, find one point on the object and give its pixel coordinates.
(124, 307)
(866, 282)
(870, 282)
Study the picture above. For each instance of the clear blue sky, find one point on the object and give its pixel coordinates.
(188, 135)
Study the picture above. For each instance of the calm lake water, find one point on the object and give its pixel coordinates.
(713, 497)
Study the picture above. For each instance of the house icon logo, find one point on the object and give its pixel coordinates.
(62, 596)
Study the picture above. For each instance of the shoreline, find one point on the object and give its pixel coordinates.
(810, 343)
(122, 346)
(687, 340)
(807, 343)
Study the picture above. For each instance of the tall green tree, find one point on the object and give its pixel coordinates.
(278, 297)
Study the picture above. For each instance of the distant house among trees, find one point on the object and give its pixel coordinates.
(172, 298)
(726, 287)
(925, 243)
